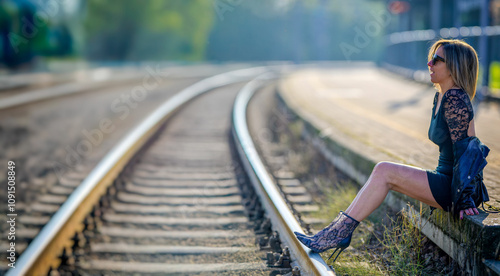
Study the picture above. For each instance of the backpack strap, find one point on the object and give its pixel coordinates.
(491, 209)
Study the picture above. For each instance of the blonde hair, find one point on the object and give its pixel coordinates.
(462, 62)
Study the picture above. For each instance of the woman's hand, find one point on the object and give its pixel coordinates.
(469, 212)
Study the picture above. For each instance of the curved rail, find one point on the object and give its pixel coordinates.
(39, 256)
(88, 80)
(281, 216)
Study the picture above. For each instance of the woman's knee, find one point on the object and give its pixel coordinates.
(384, 171)
(383, 167)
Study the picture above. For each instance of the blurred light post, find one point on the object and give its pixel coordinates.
(483, 47)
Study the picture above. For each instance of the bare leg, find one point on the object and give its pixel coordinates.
(408, 180)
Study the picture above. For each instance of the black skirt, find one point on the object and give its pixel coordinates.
(440, 185)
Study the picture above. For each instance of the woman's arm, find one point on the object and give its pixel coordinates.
(457, 114)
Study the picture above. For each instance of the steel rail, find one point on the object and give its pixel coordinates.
(42, 252)
(281, 216)
(98, 79)
(95, 79)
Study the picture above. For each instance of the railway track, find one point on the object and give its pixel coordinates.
(22, 89)
(172, 198)
(57, 86)
(45, 140)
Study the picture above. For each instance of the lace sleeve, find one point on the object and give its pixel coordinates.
(457, 112)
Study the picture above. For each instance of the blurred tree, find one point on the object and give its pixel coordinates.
(153, 29)
(22, 34)
(29, 29)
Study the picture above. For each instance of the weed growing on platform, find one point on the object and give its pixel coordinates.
(404, 250)
(352, 261)
(404, 244)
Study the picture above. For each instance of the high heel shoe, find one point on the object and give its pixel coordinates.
(336, 235)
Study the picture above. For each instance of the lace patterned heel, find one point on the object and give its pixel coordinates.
(336, 235)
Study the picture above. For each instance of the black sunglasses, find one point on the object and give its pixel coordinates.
(436, 58)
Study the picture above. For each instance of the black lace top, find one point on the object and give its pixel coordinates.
(450, 125)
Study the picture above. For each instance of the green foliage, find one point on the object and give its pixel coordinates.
(24, 32)
(495, 77)
(153, 29)
(405, 244)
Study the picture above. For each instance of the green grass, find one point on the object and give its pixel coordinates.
(336, 197)
(351, 261)
(405, 245)
(356, 265)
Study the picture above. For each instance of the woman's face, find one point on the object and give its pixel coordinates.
(438, 70)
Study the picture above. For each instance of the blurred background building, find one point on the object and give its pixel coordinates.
(395, 34)
(418, 23)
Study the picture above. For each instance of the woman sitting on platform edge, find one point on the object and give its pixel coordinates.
(456, 184)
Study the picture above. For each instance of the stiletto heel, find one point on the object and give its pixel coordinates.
(341, 249)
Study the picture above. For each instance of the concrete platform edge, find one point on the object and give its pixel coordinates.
(459, 240)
